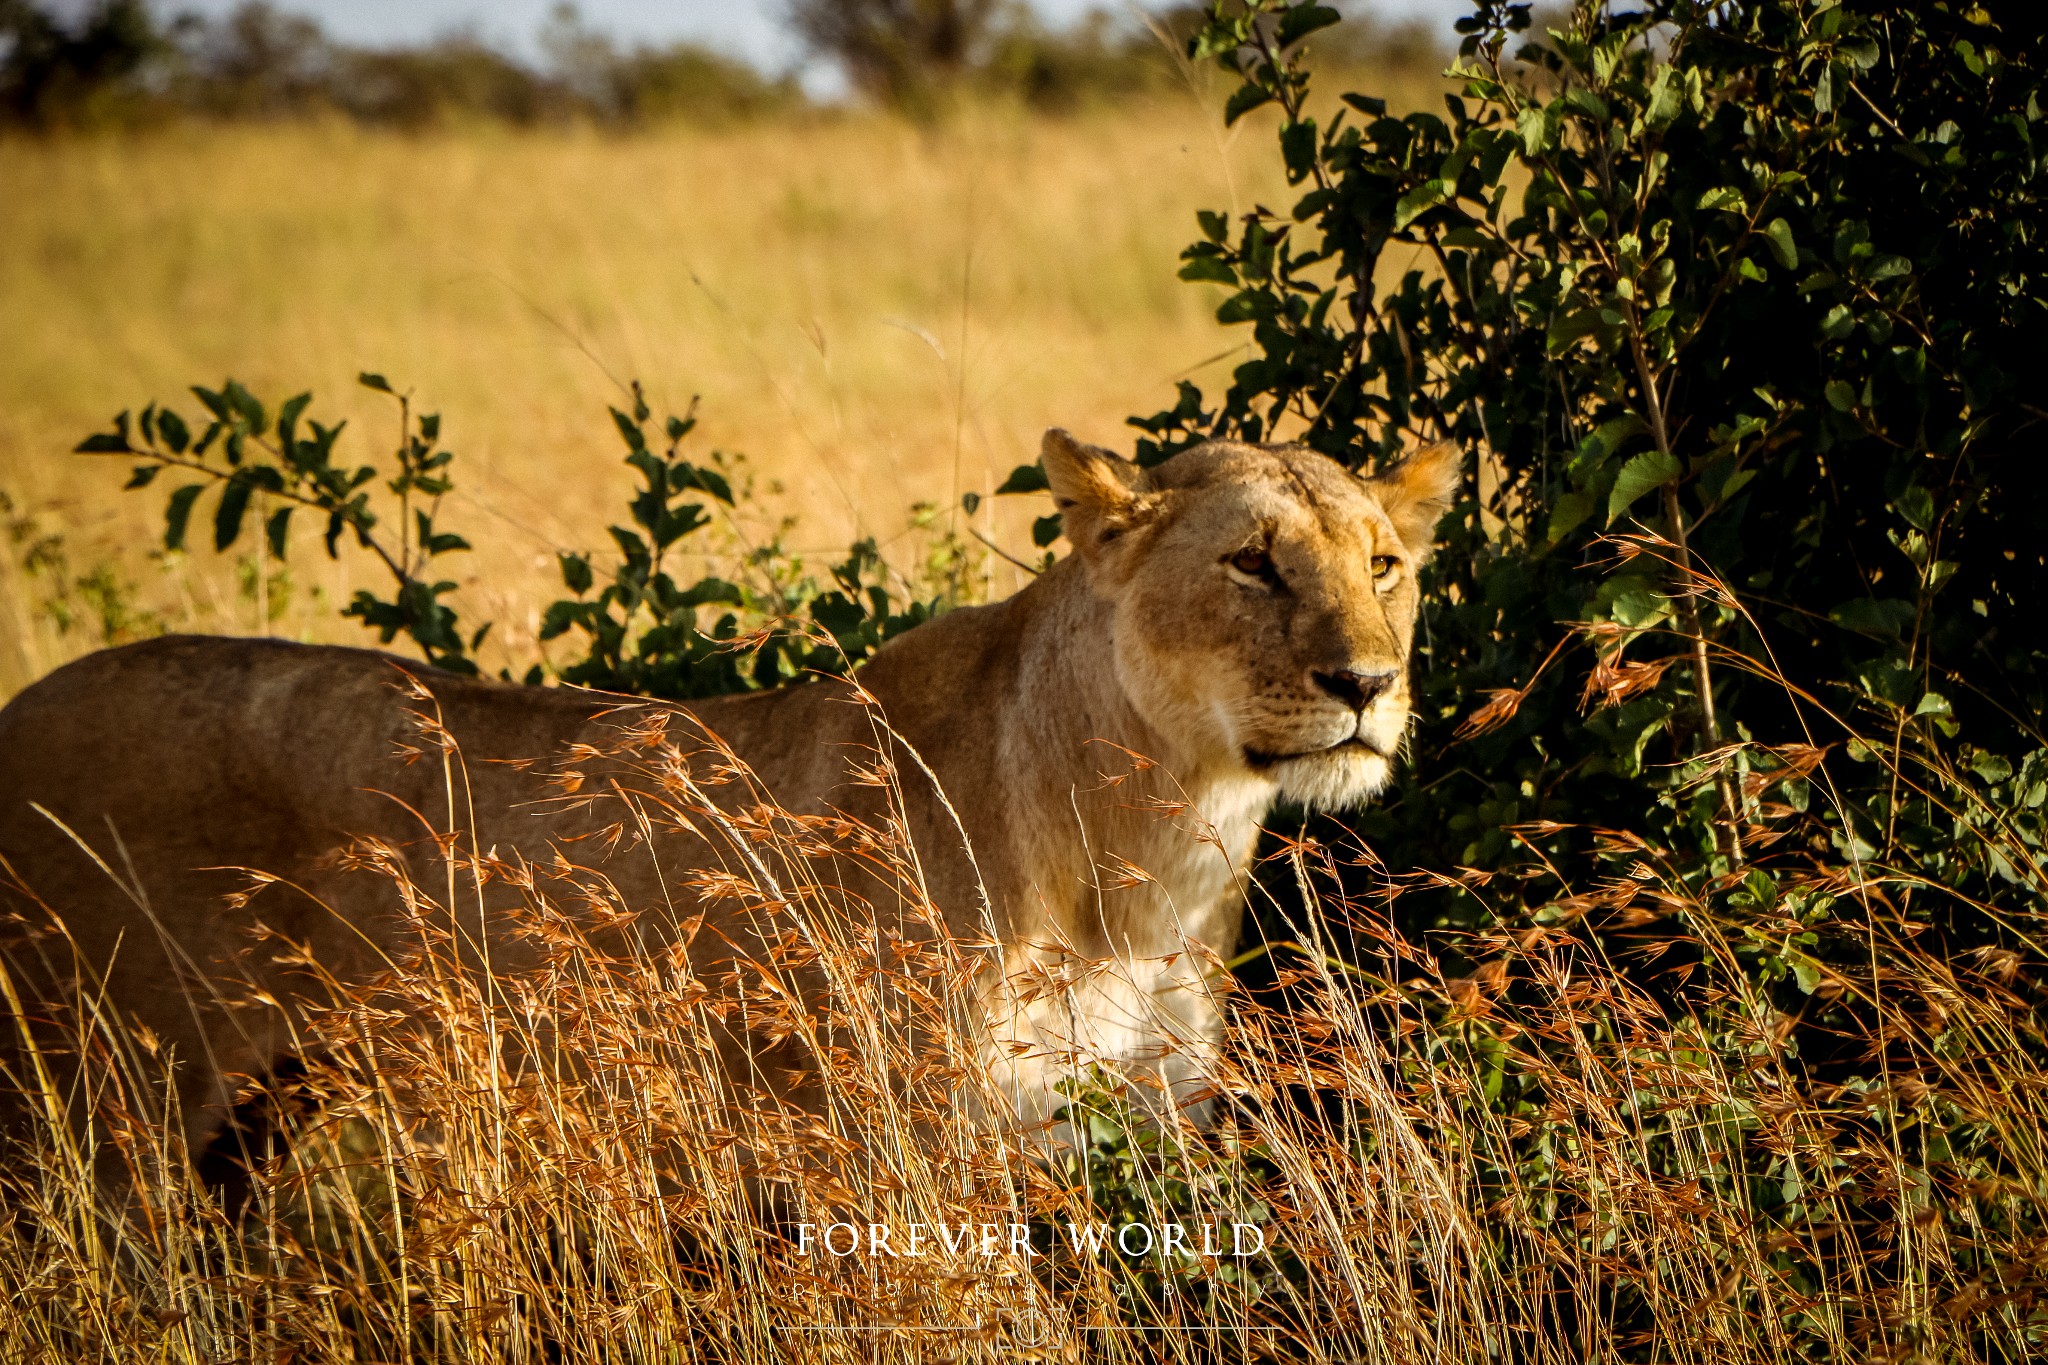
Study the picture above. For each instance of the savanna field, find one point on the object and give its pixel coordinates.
(1681, 998)
(875, 314)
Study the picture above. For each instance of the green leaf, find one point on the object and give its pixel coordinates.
(1651, 469)
(1303, 20)
(1213, 269)
(1298, 149)
(1610, 435)
(1634, 602)
(105, 443)
(1916, 505)
(676, 524)
(1570, 327)
(1247, 305)
(629, 431)
(1215, 226)
(173, 430)
(227, 518)
(288, 415)
(1778, 234)
(1840, 396)
(1859, 51)
(245, 405)
(1567, 512)
(708, 480)
(1989, 767)
(1045, 530)
(576, 575)
(143, 475)
(214, 404)
(631, 546)
(1420, 200)
(1247, 98)
(1537, 127)
(1667, 99)
(1025, 478)
(559, 617)
(275, 529)
(1725, 199)
(708, 590)
(374, 381)
(1628, 728)
(177, 512)
(1933, 704)
(1883, 617)
(1583, 101)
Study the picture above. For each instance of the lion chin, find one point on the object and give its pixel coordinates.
(1347, 775)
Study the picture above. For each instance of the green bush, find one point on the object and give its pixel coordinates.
(1738, 307)
(1730, 675)
(642, 631)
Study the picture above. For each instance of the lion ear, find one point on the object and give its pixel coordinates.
(1417, 492)
(1096, 490)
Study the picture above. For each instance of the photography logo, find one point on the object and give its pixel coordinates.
(1009, 1267)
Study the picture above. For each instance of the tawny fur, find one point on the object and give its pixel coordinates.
(181, 757)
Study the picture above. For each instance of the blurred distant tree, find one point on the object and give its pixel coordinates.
(910, 53)
(257, 62)
(646, 84)
(899, 51)
(64, 66)
(452, 79)
(1096, 59)
(54, 74)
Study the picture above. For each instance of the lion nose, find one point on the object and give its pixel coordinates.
(1356, 690)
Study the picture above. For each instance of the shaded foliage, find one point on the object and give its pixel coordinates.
(1745, 357)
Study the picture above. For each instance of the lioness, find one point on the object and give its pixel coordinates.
(1240, 615)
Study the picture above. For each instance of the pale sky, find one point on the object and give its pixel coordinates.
(747, 28)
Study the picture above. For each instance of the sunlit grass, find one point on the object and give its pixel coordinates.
(551, 1163)
(877, 314)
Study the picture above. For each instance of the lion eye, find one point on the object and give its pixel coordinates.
(1252, 561)
(1383, 566)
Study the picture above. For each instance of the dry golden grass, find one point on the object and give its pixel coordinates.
(549, 1163)
(876, 314)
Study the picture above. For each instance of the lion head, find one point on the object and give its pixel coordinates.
(1263, 599)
